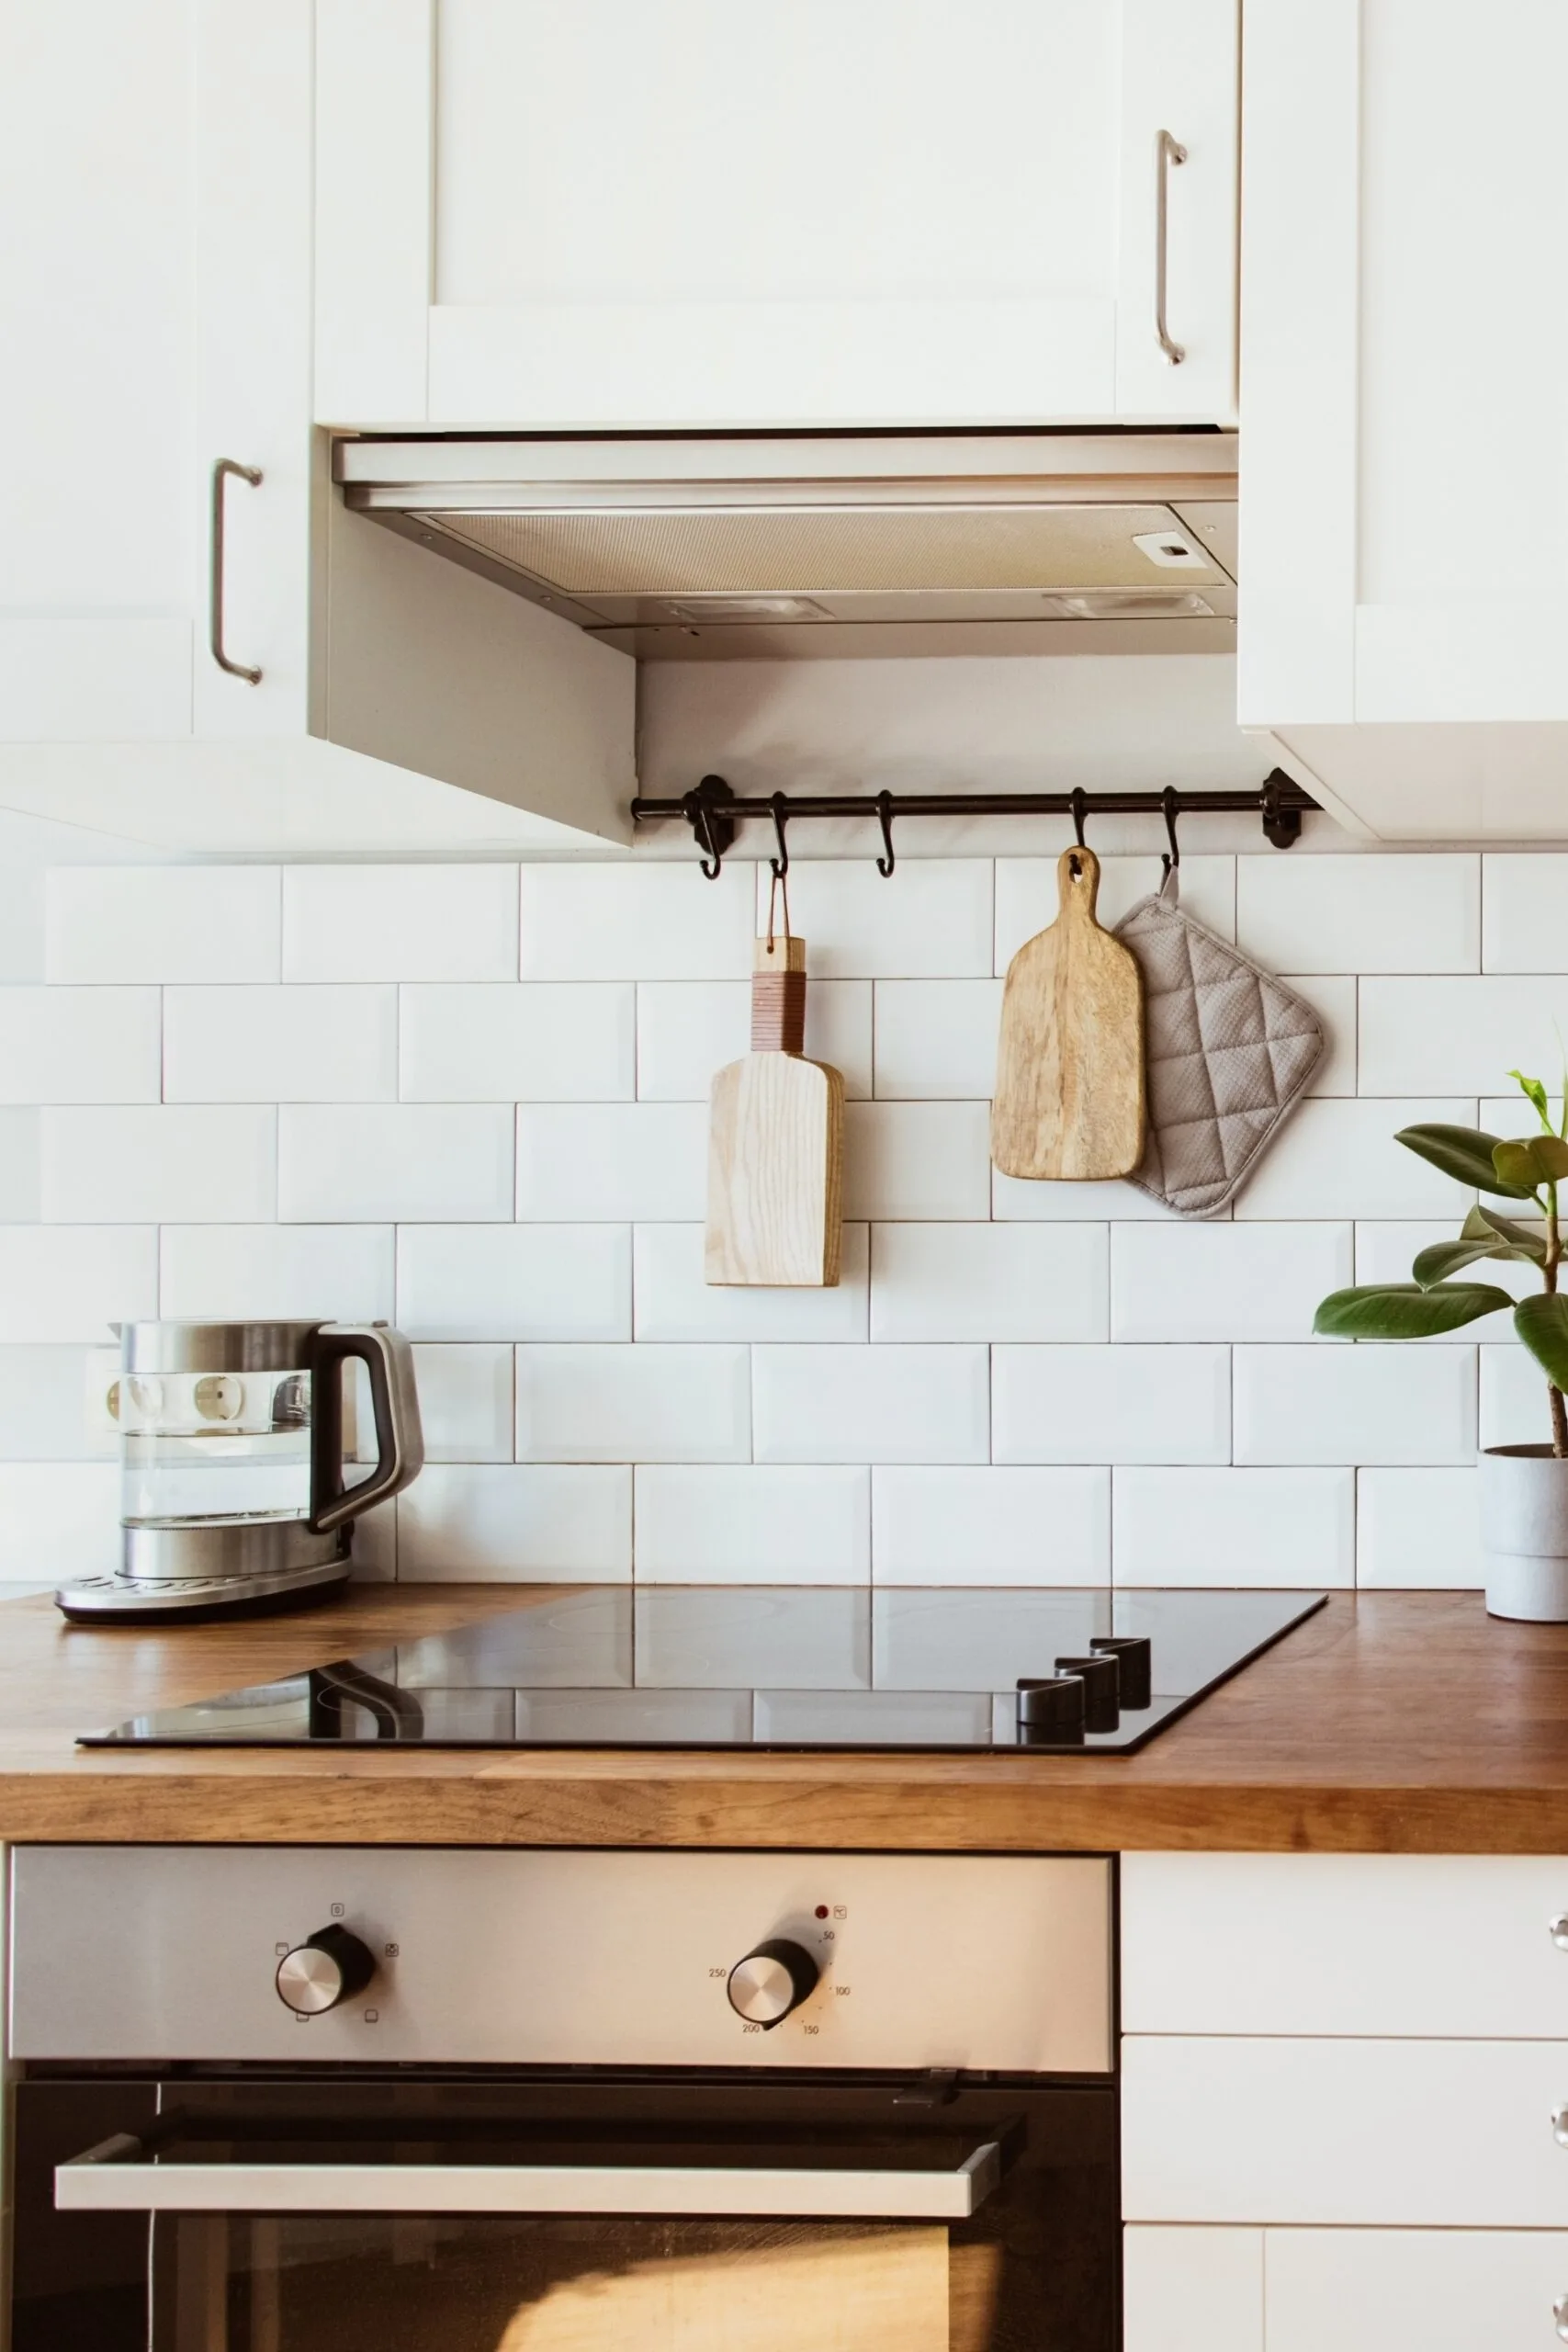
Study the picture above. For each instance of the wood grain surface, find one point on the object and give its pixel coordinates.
(775, 1144)
(1388, 1722)
(1069, 1099)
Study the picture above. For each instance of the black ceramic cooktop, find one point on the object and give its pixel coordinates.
(944, 1669)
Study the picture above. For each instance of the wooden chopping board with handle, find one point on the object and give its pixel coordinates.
(776, 1143)
(1069, 1099)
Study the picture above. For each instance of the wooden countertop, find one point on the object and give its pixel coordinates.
(1389, 1722)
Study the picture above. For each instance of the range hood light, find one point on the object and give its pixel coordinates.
(1133, 604)
(746, 608)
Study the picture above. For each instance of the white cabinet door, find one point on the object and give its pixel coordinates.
(1419, 2291)
(801, 213)
(1420, 2134)
(1404, 503)
(97, 309)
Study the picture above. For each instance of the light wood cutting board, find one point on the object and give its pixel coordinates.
(775, 1144)
(1069, 1099)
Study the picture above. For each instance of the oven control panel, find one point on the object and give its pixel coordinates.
(535, 1958)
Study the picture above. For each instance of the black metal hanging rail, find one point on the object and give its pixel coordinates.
(714, 811)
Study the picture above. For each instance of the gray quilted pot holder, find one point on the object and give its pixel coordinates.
(1227, 1050)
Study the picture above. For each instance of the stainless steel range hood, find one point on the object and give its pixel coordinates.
(825, 546)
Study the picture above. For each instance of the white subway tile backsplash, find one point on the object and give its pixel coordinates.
(508, 1523)
(1234, 1527)
(339, 1273)
(162, 922)
(400, 922)
(280, 1045)
(752, 1525)
(1416, 1529)
(988, 1282)
(1332, 996)
(933, 920)
(883, 1404)
(1361, 913)
(990, 1526)
(20, 1164)
(916, 1159)
(630, 922)
(1382, 1403)
(465, 1402)
(1028, 896)
(1522, 899)
(53, 1403)
(1111, 1404)
(1017, 1200)
(517, 1042)
(382, 1162)
(59, 1521)
(634, 1404)
(1223, 1281)
(689, 1029)
(146, 1164)
(79, 1045)
(1514, 1408)
(1341, 1160)
(1418, 1035)
(675, 1301)
(936, 1040)
(514, 1282)
(620, 1161)
(74, 1283)
(1384, 1253)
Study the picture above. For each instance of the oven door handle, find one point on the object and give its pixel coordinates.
(117, 2178)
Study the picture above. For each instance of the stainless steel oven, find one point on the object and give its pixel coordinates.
(283, 2100)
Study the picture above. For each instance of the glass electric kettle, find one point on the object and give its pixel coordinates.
(232, 1458)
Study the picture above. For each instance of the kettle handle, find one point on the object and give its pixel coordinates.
(399, 1439)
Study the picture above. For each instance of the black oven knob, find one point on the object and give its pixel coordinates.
(771, 1981)
(328, 1967)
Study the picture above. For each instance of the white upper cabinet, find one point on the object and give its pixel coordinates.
(1405, 348)
(792, 213)
(156, 310)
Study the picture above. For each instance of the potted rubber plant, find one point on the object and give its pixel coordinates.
(1524, 1488)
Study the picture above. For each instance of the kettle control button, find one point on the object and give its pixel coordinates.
(328, 1967)
(771, 1981)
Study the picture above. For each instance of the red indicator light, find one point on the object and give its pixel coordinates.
(822, 1910)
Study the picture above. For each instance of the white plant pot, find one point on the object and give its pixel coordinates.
(1524, 1532)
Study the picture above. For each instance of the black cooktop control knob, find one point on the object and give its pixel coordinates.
(328, 1967)
(771, 1981)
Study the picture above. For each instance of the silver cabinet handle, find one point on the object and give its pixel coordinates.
(109, 2179)
(220, 473)
(1167, 151)
(1559, 2126)
(1560, 2314)
(1558, 1930)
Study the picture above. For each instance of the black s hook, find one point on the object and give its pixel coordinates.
(714, 832)
(1080, 805)
(884, 818)
(1170, 803)
(780, 865)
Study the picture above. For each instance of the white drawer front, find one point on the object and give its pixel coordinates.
(1426, 2133)
(1441, 1945)
(1398, 2290)
(1192, 2290)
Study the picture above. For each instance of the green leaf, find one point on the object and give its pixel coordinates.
(1403, 1310)
(1542, 1325)
(1531, 1159)
(1534, 1092)
(1464, 1152)
(1482, 1221)
(1445, 1258)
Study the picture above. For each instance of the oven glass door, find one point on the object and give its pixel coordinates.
(712, 2220)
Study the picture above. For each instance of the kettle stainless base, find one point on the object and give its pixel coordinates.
(151, 1600)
